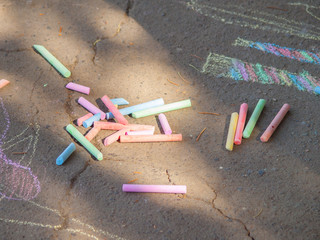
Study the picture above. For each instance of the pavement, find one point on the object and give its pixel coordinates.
(143, 50)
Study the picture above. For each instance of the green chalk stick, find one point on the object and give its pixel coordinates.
(162, 109)
(52, 60)
(254, 118)
(88, 145)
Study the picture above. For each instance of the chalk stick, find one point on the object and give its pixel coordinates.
(151, 138)
(254, 118)
(115, 112)
(139, 107)
(164, 124)
(81, 139)
(144, 132)
(82, 119)
(114, 137)
(119, 101)
(232, 131)
(52, 60)
(92, 133)
(241, 121)
(162, 109)
(90, 107)
(275, 123)
(119, 126)
(78, 88)
(65, 154)
(154, 188)
(316, 89)
(87, 123)
(4, 82)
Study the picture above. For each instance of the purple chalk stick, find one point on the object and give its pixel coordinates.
(90, 107)
(78, 88)
(164, 124)
(154, 188)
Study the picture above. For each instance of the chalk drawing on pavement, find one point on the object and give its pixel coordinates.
(307, 8)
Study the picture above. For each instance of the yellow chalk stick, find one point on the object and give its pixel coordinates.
(232, 131)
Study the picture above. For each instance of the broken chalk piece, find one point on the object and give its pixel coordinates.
(52, 60)
(232, 131)
(81, 139)
(139, 107)
(90, 107)
(164, 124)
(275, 123)
(254, 118)
(144, 132)
(119, 101)
(114, 137)
(154, 188)
(4, 82)
(151, 138)
(92, 133)
(115, 112)
(65, 154)
(241, 121)
(87, 123)
(316, 89)
(78, 88)
(82, 119)
(162, 109)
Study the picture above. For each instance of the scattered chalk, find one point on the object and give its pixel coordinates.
(232, 131)
(151, 138)
(87, 123)
(119, 101)
(90, 107)
(3, 83)
(82, 119)
(78, 88)
(114, 137)
(52, 60)
(254, 118)
(154, 188)
(65, 154)
(275, 123)
(115, 112)
(241, 122)
(164, 124)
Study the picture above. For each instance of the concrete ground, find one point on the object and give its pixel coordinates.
(141, 50)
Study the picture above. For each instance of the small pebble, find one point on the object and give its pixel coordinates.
(261, 172)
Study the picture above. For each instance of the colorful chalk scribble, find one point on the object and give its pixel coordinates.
(297, 54)
(17, 182)
(222, 66)
(307, 7)
(253, 19)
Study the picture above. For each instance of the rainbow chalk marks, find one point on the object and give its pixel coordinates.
(52, 60)
(65, 154)
(222, 66)
(254, 118)
(78, 88)
(255, 20)
(232, 131)
(3, 83)
(296, 54)
(154, 188)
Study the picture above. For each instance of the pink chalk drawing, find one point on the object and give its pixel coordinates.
(17, 182)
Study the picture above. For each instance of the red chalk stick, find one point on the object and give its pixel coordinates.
(117, 115)
(151, 138)
(275, 123)
(114, 137)
(241, 122)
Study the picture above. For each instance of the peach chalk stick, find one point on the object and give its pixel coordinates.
(90, 107)
(154, 188)
(114, 137)
(241, 121)
(143, 132)
(82, 119)
(232, 131)
(119, 126)
(78, 88)
(92, 133)
(4, 82)
(117, 115)
(164, 124)
(275, 123)
(151, 138)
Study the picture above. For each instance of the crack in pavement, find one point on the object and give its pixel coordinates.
(130, 4)
(7, 51)
(169, 178)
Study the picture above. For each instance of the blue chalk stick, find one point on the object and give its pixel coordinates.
(87, 123)
(66, 154)
(317, 90)
(119, 101)
(136, 108)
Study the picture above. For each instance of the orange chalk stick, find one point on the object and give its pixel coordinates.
(275, 123)
(4, 82)
(151, 138)
(114, 137)
(82, 119)
(117, 115)
(119, 126)
(92, 133)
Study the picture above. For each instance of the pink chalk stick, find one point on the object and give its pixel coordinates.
(82, 119)
(275, 123)
(78, 88)
(114, 137)
(117, 115)
(154, 188)
(90, 107)
(164, 124)
(144, 132)
(92, 133)
(241, 121)
(151, 138)
(4, 82)
(119, 126)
